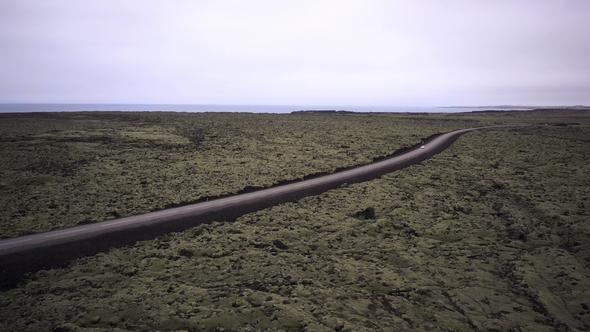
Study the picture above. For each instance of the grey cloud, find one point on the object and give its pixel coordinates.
(268, 52)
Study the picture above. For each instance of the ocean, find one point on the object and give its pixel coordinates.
(24, 108)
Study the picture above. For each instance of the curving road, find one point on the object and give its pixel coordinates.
(55, 248)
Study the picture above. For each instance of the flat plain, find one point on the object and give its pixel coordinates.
(490, 235)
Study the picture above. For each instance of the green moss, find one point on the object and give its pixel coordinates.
(31, 181)
(491, 234)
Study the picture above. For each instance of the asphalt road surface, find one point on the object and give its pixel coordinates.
(56, 248)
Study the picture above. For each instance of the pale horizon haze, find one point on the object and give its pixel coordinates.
(382, 53)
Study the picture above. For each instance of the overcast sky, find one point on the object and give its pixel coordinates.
(390, 53)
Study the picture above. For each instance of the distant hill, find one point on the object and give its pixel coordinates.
(521, 107)
(322, 112)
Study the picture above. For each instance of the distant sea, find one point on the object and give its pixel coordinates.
(23, 108)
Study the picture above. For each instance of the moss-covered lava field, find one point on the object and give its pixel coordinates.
(490, 235)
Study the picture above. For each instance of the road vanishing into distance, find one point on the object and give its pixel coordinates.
(56, 248)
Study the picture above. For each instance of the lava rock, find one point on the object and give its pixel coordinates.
(185, 252)
(279, 244)
(368, 213)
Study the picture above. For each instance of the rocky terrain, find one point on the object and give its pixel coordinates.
(490, 235)
(58, 170)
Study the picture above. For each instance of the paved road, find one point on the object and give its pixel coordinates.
(40, 249)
